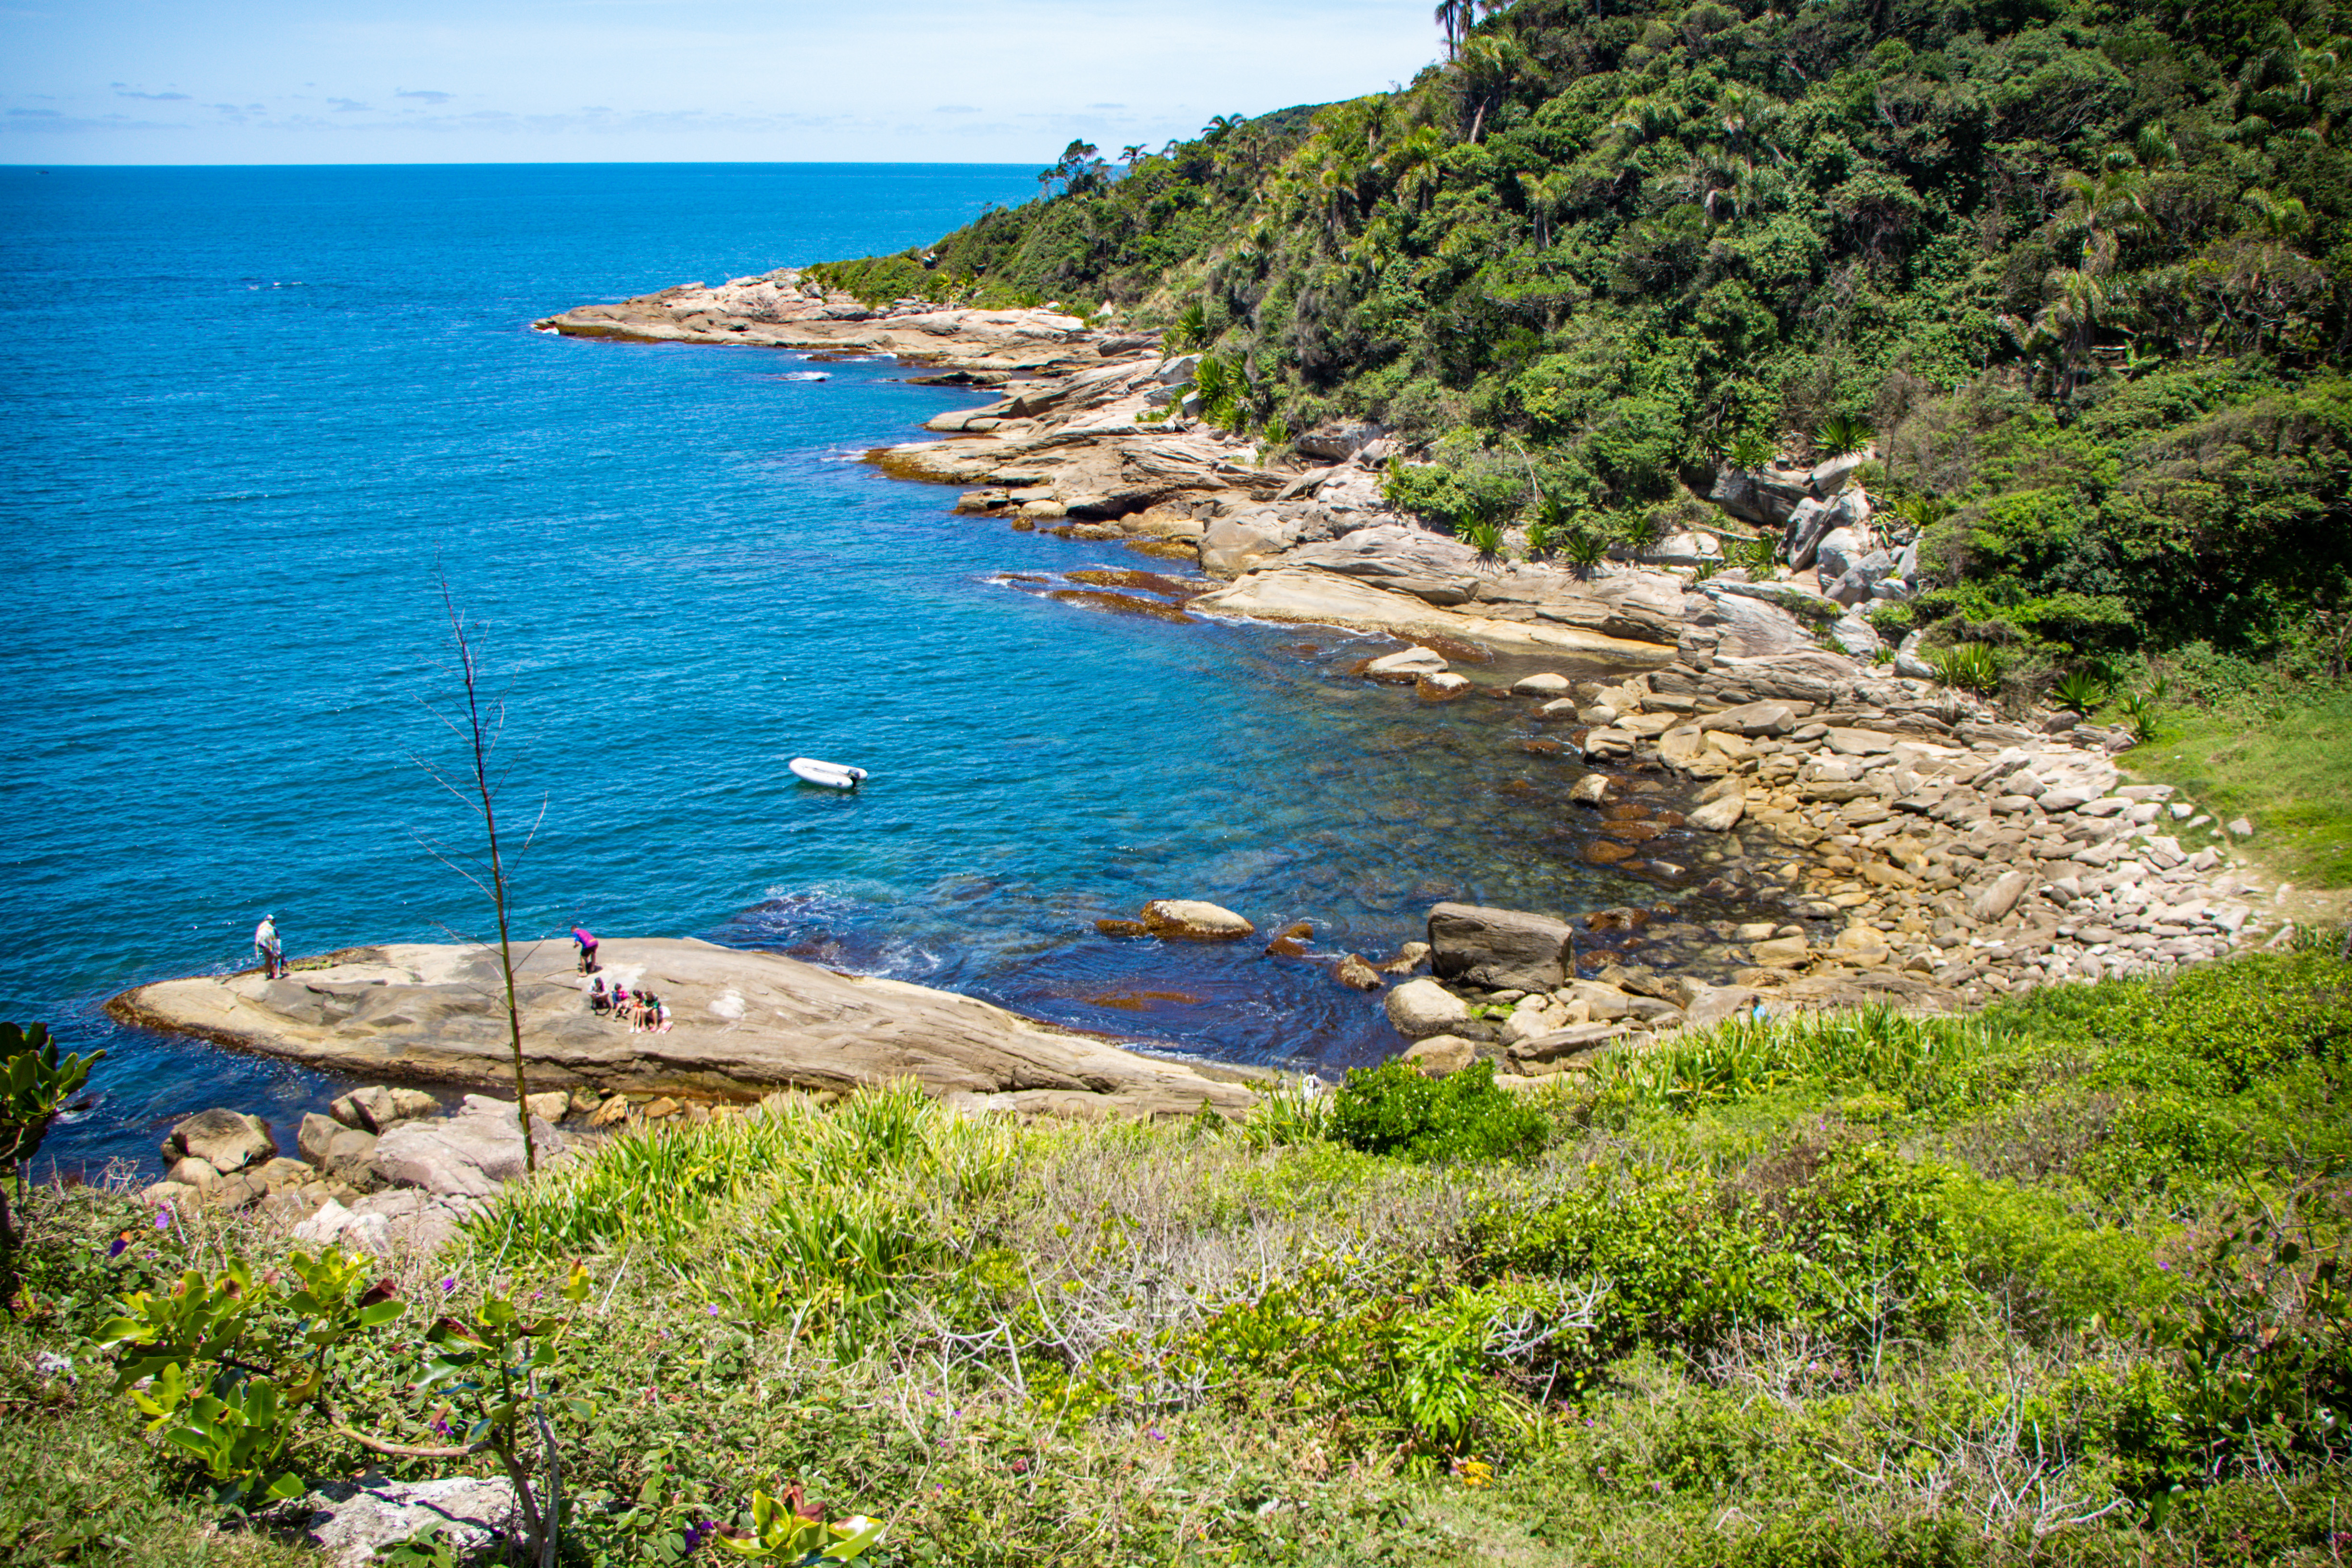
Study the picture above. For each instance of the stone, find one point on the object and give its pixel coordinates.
(1421, 1008)
(1840, 549)
(227, 1141)
(1233, 544)
(1500, 948)
(169, 1194)
(1719, 816)
(1191, 920)
(352, 1522)
(1574, 1041)
(1593, 789)
(378, 1106)
(1440, 1055)
(1546, 685)
(1753, 719)
(470, 1154)
(2239, 827)
(1780, 953)
(344, 1152)
(281, 1174)
(1354, 972)
(1405, 668)
(1681, 748)
(553, 1105)
(190, 1171)
(1996, 901)
(1443, 686)
(1409, 957)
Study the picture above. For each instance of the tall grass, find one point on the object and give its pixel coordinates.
(2286, 768)
(790, 1212)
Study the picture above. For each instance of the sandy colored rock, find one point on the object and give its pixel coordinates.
(746, 1022)
(1421, 1008)
(227, 1141)
(1191, 920)
(1720, 814)
(1440, 1055)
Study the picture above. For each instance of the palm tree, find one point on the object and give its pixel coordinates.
(1453, 18)
(1486, 66)
(1542, 193)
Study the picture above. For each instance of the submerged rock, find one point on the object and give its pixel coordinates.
(1191, 920)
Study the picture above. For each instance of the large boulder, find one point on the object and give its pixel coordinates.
(1233, 544)
(744, 1023)
(1421, 1008)
(344, 1152)
(378, 1106)
(1840, 548)
(1500, 948)
(227, 1141)
(470, 1154)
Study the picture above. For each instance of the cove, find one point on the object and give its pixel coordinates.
(259, 412)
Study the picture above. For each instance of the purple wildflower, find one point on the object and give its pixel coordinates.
(163, 1219)
(1155, 1434)
(714, 1309)
(450, 1284)
(119, 1243)
(441, 1424)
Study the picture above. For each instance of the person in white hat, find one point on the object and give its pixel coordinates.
(269, 949)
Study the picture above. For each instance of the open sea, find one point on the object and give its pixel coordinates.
(253, 415)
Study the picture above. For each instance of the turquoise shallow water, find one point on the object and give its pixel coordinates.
(252, 411)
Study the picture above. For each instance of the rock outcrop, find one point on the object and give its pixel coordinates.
(744, 1024)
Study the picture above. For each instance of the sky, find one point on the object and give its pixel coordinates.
(435, 81)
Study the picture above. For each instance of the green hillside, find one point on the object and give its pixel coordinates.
(2082, 266)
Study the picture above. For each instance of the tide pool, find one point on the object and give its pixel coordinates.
(254, 416)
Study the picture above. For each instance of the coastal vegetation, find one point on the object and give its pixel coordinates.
(2060, 1282)
(2074, 273)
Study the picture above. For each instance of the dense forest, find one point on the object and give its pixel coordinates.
(2082, 269)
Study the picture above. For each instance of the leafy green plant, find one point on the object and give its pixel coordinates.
(1756, 552)
(1751, 450)
(781, 1533)
(2081, 691)
(1585, 550)
(206, 1365)
(1295, 1110)
(1968, 667)
(1190, 330)
(1393, 1110)
(1540, 539)
(35, 1085)
(1841, 434)
(1485, 537)
(430, 1547)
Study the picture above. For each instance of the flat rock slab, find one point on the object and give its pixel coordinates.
(745, 1024)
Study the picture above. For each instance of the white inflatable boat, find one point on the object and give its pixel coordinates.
(832, 775)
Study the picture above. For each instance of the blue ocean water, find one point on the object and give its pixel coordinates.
(253, 415)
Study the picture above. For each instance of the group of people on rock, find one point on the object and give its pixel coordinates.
(641, 1011)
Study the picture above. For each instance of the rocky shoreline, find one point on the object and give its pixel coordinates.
(1894, 838)
(1831, 831)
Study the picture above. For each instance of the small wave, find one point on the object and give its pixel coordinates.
(806, 376)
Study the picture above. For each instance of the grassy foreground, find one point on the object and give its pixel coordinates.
(2056, 1284)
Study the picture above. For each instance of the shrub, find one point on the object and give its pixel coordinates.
(1393, 1110)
